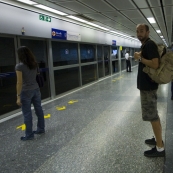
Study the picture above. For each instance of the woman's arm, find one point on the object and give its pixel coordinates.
(19, 86)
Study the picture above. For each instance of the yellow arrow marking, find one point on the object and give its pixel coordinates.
(47, 116)
(23, 127)
(72, 101)
(118, 78)
(61, 108)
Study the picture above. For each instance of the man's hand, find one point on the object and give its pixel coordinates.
(18, 101)
(137, 55)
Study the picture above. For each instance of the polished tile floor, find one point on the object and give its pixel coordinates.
(99, 131)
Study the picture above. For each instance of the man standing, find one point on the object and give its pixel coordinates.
(128, 64)
(149, 56)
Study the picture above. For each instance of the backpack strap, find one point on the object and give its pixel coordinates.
(148, 39)
(154, 43)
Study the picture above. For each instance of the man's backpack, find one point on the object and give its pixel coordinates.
(163, 74)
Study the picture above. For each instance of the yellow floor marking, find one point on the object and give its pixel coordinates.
(47, 116)
(118, 78)
(61, 108)
(72, 101)
(23, 127)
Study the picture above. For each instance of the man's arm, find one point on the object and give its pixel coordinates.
(154, 63)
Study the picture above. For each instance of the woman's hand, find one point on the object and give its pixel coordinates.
(18, 101)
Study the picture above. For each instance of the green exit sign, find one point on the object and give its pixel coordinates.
(45, 18)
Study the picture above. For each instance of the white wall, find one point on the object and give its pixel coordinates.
(14, 18)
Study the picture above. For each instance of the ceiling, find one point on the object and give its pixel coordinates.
(121, 15)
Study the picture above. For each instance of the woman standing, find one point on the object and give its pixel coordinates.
(28, 92)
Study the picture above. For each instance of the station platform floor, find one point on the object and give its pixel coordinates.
(97, 129)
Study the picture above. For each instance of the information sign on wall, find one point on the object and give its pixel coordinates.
(59, 34)
(114, 42)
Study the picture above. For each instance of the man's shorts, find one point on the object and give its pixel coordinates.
(149, 105)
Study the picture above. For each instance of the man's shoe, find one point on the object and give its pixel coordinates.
(37, 132)
(150, 141)
(24, 138)
(154, 153)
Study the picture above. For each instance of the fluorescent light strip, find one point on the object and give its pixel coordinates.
(86, 22)
(97, 26)
(28, 2)
(126, 36)
(158, 31)
(120, 34)
(78, 19)
(151, 20)
(50, 9)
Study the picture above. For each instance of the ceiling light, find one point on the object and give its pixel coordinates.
(161, 36)
(151, 20)
(78, 19)
(98, 26)
(89, 23)
(50, 9)
(28, 2)
(126, 36)
(119, 33)
(158, 31)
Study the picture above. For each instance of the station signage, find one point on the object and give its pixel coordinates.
(59, 34)
(73, 36)
(114, 42)
(45, 18)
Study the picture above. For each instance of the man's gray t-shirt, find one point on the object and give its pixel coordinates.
(28, 77)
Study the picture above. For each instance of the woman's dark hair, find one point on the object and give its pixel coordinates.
(26, 57)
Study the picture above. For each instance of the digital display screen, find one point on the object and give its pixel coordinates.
(114, 52)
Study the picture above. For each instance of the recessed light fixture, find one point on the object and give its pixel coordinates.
(78, 19)
(161, 36)
(98, 26)
(158, 31)
(50, 9)
(151, 20)
(28, 2)
(89, 23)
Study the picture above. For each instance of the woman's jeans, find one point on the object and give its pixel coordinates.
(27, 98)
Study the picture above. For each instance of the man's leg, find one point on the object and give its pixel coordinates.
(127, 65)
(157, 129)
(130, 66)
(150, 113)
